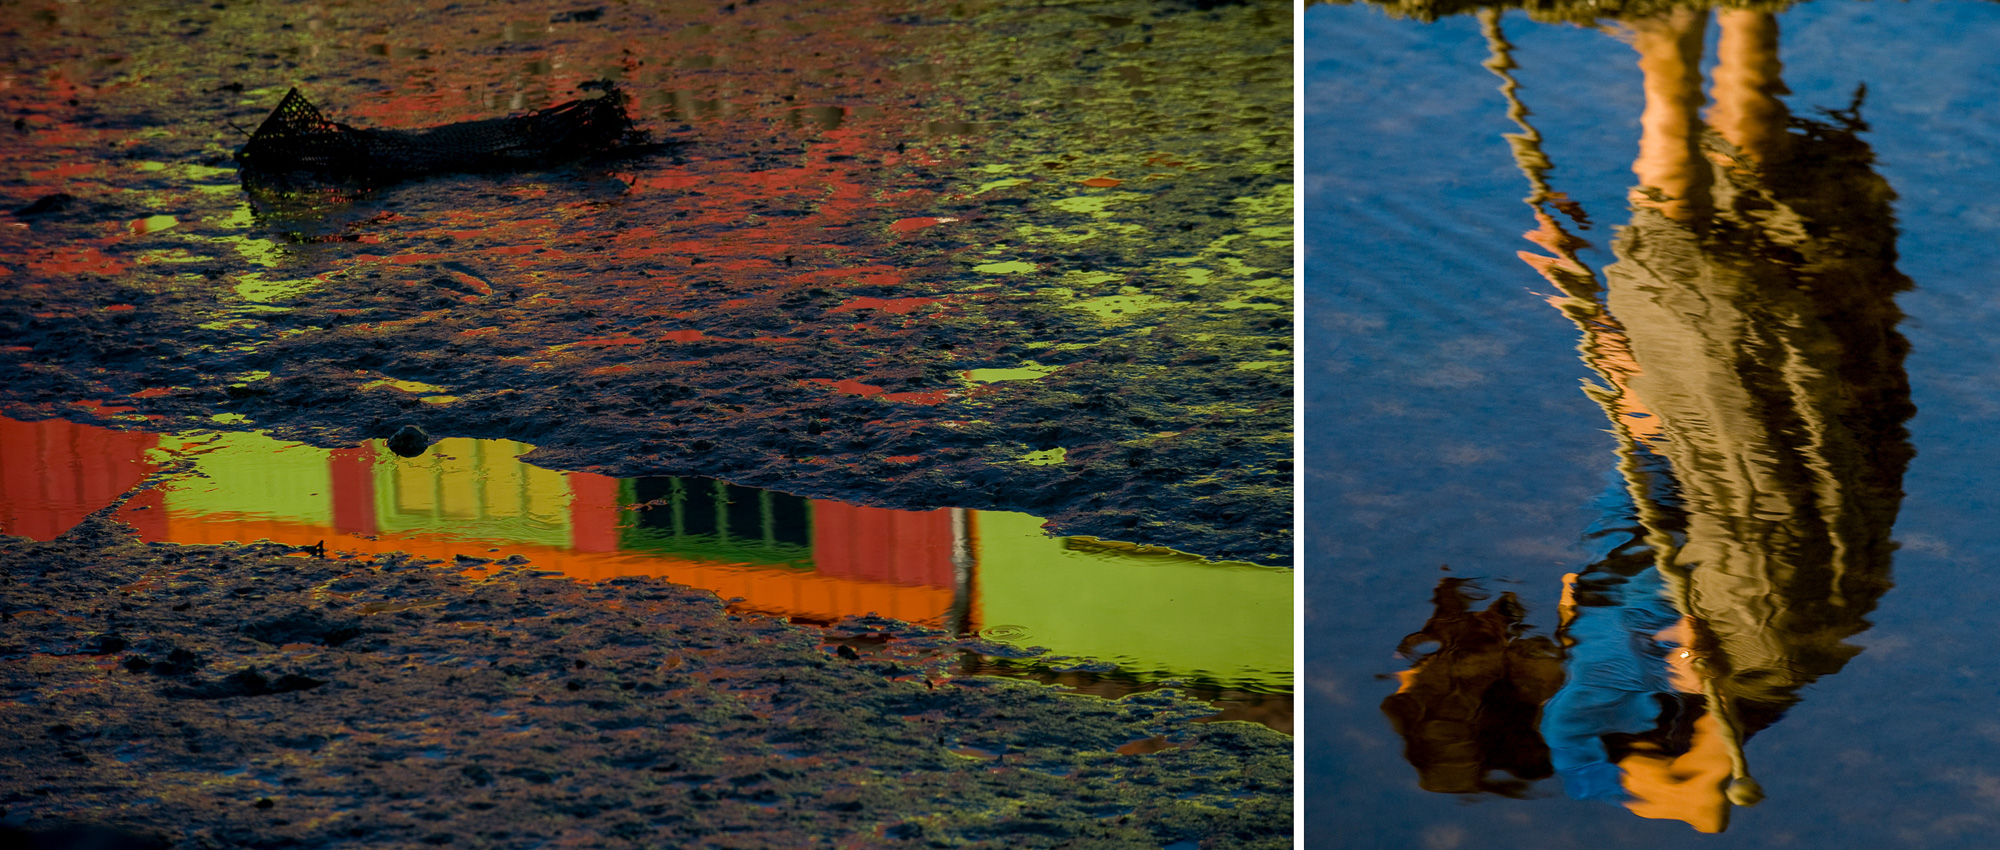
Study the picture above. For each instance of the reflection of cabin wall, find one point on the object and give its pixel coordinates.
(53, 473)
(715, 520)
(474, 488)
(1150, 613)
(893, 547)
(466, 496)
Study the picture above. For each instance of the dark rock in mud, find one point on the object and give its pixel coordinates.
(524, 710)
(47, 204)
(409, 441)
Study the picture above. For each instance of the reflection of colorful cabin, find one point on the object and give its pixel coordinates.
(54, 473)
(1147, 610)
(1153, 612)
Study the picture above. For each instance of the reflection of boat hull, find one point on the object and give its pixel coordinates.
(1153, 613)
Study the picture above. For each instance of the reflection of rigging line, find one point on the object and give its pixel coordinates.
(1601, 339)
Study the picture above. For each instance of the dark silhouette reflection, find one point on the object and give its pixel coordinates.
(1467, 708)
(1750, 366)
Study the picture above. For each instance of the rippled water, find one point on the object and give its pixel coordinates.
(1745, 563)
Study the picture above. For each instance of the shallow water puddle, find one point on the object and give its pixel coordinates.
(1751, 606)
(1097, 606)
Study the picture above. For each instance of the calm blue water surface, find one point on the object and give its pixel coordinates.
(1445, 424)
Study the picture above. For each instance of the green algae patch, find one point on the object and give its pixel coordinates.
(1120, 307)
(412, 387)
(1028, 371)
(1046, 457)
(254, 288)
(1003, 183)
(1008, 267)
(1095, 204)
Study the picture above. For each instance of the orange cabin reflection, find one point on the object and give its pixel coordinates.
(838, 560)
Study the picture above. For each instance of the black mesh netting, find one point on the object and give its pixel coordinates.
(297, 139)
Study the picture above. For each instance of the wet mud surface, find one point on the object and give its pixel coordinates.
(1732, 593)
(203, 696)
(990, 256)
(1010, 260)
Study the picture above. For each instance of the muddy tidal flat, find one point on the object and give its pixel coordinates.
(872, 429)
(205, 696)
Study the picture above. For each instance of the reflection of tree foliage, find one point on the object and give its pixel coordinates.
(1469, 707)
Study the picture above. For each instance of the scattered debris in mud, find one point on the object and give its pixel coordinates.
(203, 696)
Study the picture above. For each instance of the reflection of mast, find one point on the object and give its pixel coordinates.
(959, 618)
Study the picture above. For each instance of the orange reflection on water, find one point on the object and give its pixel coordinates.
(864, 560)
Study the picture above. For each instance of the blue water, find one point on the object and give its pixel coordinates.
(1444, 422)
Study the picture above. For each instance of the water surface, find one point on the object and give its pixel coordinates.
(1742, 564)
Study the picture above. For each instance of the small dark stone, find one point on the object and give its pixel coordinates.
(409, 441)
(848, 653)
(533, 775)
(58, 202)
(264, 803)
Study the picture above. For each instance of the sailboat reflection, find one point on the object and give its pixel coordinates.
(1746, 342)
